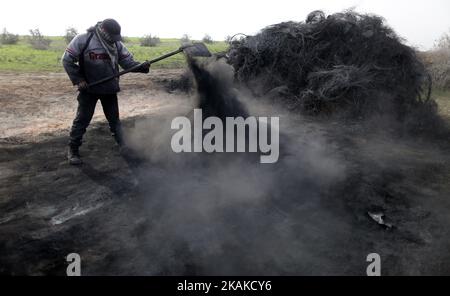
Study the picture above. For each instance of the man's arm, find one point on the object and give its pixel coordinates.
(127, 61)
(70, 60)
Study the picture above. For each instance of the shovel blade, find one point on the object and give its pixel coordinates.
(196, 49)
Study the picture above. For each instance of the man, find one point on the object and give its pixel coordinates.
(90, 57)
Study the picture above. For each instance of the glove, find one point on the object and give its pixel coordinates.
(82, 86)
(145, 68)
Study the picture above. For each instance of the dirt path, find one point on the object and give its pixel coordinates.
(33, 105)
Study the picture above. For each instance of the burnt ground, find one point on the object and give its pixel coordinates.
(219, 214)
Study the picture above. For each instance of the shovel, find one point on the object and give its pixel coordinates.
(192, 50)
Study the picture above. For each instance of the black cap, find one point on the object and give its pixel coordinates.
(112, 27)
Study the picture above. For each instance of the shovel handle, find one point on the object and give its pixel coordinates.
(136, 67)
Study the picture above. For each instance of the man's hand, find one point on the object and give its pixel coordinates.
(82, 85)
(145, 68)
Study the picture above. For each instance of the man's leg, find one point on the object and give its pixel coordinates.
(85, 111)
(111, 109)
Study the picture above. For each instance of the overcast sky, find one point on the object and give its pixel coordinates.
(420, 22)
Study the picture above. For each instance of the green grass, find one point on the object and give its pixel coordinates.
(22, 57)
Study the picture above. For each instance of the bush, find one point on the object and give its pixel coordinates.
(438, 63)
(8, 38)
(439, 67)
(38, 41)
(185, 39)
(150, 41)
(70, 34)
(207, 39)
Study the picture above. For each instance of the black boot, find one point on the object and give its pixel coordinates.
(73, 156)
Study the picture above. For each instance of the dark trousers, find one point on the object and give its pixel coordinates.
(85, 111)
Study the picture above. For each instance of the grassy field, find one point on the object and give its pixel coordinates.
(22, 57)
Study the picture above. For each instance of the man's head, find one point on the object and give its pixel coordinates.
(112, 29)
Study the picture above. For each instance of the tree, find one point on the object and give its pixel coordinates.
(70, 34)
(207, 39)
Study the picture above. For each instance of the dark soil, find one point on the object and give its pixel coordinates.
(151, 218)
